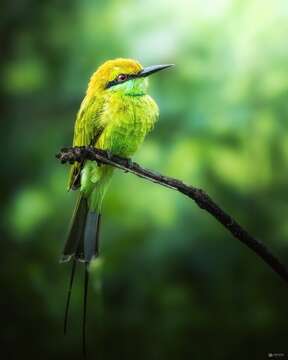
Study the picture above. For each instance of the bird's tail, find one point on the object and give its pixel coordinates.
(81, 245)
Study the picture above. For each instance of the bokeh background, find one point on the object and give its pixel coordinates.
(171, 283)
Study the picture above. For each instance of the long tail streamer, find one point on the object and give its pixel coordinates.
(85, 310)
(69, 296)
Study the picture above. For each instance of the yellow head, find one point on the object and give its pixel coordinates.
(122, 76)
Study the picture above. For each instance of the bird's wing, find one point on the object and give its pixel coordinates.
(87, 130)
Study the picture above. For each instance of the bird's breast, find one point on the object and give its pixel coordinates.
(128, 119)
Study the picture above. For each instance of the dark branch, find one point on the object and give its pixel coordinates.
(203, 200)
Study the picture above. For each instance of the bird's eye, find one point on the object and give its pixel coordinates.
(121, 77)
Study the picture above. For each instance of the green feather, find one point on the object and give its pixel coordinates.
(118, 123)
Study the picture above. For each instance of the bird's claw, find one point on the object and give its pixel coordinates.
(129, 164)
(109, 154)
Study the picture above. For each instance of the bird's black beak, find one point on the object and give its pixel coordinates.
(153, 69)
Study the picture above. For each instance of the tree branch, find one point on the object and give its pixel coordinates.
(202, 199)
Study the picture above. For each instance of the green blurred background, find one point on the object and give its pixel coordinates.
(172, 283)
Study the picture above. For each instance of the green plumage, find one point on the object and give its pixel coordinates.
(115, 119)
(115, 115)
(129, 119)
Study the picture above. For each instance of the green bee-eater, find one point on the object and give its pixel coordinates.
(115, 115)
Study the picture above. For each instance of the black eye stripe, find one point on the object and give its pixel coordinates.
(116, 82)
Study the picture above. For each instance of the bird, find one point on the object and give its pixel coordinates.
(115, 115)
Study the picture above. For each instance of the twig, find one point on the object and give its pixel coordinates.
(203, 200)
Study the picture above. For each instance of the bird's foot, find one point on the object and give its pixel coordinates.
(128, 164)
(109, 154)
